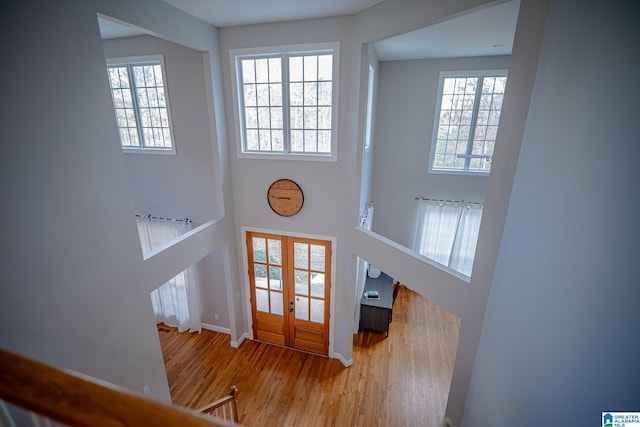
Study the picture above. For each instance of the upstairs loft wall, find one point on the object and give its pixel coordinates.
(181, 185)
(404, 130)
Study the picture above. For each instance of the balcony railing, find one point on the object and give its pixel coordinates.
(74, 399)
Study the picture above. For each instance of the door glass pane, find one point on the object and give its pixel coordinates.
(275, 255)
(259, 249)
(260, 272)
(275, 278)
(276, 303)
(317, 285)
(317, 257)
(302, 282)
(302, 308)
(262, 300)
(317, 310)
(301, 255)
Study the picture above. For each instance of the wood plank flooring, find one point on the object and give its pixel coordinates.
(400, 380)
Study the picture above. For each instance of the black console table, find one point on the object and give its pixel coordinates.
(375, 313)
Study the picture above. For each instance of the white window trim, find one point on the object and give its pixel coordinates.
(436, 118)
(236, 54)
(369, 121)
(129, 60)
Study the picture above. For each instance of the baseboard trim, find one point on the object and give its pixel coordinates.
(236, 344)
(341, 358)
(215, 328)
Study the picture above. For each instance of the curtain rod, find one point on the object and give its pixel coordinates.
(446, 201)
(364, 216)
(149, 216)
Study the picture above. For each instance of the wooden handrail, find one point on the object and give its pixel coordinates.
(75, 399)
(229, 400)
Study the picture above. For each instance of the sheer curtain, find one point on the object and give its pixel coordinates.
(437, 229)
(175, 303)
(448, 232)
(464, 246)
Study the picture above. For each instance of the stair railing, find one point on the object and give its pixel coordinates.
(74, 399)
(225, 408)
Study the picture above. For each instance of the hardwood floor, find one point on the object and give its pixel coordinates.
(400, 380)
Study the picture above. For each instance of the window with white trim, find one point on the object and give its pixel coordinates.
(286, 102)
(141, 104)
(370, 94)
(466, 122)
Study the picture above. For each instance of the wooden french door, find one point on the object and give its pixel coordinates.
(290, 289)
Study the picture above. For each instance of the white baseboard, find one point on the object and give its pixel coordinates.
(341, 358)
(215, 328)
(236, 344)
(246, 335)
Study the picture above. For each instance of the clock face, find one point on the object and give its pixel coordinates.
(285, 197)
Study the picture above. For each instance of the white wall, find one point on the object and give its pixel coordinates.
(73, 292)
(560, 335)
(181, 185)
(75, 289)
(323, 183)
(179, 27)
(464, 299)
(175, 186)
(211, 272)
(404, 129)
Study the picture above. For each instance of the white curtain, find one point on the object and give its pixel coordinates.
(176, 303)
(464, 246)
(437, 229)
(448, 232)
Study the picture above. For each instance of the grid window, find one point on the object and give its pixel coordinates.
(141, 105)
(287, 103)
(467, 122)
(263, 108)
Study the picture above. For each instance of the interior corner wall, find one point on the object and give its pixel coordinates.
(72, 290)
(213, 289)
(404, 131)
(559, 340)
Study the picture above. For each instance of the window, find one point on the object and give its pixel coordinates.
(141, 104)
(466, 121)
(370, 94)
(286, 102)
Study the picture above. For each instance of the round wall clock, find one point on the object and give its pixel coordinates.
(285, 197)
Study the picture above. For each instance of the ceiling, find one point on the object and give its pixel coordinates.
(227, 13)
(488, 31)
(112, 30)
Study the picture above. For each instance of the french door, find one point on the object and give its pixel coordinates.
(290, 289)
